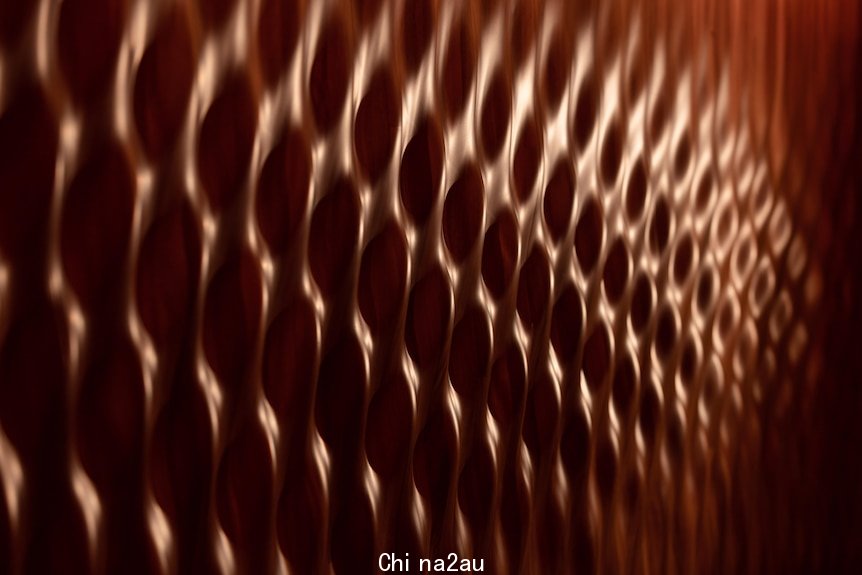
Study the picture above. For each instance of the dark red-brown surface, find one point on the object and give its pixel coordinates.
(564, 286)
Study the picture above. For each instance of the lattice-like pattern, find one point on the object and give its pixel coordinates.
(285, 285)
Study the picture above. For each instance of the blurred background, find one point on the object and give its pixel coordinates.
(569, 287)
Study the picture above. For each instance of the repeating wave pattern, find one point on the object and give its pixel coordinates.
(566, 286)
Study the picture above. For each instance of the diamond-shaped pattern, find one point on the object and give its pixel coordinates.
(287, 284)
